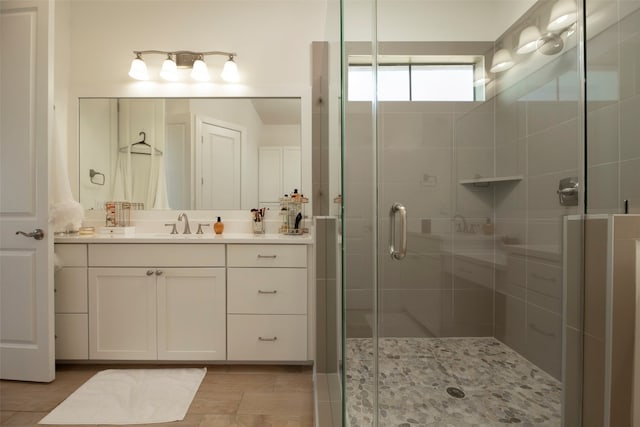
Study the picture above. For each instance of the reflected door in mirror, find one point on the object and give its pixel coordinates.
(219, 173)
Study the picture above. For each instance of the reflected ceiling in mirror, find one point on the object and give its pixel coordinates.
(188, 153)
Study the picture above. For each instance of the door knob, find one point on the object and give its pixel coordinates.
(37, 234)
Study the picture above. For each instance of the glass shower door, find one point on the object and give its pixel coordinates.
(458, 136)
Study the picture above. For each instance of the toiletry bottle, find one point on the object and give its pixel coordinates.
(487, 227)
(218, 227)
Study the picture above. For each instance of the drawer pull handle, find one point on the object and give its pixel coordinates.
(540, 331)
(260, 291)
(268, 339)
(150, 272)
(267, 256)
(541, 277)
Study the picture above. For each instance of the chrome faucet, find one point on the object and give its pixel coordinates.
(461, 227)
(187, 230)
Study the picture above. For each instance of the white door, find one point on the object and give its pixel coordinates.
(218, 167)
(270, 175)
(26, 272)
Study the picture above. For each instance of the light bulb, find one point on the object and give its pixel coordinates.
(528, 40)
(169, 70)
(230, 71)
(502, 61)
(138, 69)
(200, 71)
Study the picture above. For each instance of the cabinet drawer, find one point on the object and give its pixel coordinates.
(468, 270)
(266, 337)
(72, 336)
(544, 278)
(152, 255)
(71, 290)
(267, 290)
(267, 255)
(71, 255)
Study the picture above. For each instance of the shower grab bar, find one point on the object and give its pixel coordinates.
(398, 254)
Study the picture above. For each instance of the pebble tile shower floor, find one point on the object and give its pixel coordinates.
(500, 386)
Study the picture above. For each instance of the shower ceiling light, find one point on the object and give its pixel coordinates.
(502, 61)
(183, 59)
(563, 14)
(529, 38)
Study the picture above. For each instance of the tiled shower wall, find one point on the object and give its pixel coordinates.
(538, 134)
(613, 103)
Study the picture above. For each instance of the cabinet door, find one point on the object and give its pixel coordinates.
(191, 314)
(72, 337)
(122, 313)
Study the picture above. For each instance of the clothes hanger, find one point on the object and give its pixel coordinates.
(143, 143)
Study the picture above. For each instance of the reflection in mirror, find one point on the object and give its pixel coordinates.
(189, 153)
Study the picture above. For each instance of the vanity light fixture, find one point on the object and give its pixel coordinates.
(561, 24)
(138, 68)
(183, 59)
(529, 38)
(200, 72)
(502, 61)
(169, 70)
(563, 14)
(230, 71)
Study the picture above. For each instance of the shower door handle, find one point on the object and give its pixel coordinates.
(402, 252)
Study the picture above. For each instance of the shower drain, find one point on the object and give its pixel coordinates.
(455, 392)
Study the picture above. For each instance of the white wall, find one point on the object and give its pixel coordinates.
(272, 40)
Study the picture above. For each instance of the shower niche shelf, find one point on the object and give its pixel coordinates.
(485, 182)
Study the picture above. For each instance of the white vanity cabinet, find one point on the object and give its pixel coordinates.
(184, 301)
(71, 318)
(152, 301)
(267, 302)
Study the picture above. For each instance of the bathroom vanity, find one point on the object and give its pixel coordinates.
(184, 298)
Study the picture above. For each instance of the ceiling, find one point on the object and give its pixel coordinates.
(281, 111)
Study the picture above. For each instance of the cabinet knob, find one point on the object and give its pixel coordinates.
(158, 272)
(149, 272)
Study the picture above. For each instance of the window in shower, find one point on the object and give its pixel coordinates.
(413, 82)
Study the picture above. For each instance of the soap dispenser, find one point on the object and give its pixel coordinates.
(487, 227)
(218, 227)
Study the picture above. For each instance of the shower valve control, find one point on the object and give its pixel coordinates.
(568, 191)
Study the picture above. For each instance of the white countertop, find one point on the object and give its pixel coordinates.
(248, 238)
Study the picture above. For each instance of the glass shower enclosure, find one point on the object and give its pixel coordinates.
(463, 167)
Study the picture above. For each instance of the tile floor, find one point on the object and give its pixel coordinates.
(229, 396)
(501, 387)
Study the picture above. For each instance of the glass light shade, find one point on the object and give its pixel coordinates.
(169, 70)
(502, 61)
(230, 71)
(528, 40)
(563, 14)
(200, 71)
(138, 69)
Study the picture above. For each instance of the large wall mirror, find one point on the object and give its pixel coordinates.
(189, 153)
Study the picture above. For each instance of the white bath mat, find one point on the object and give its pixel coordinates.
(130, 396)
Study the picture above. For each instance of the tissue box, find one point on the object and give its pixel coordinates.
(118, 230)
